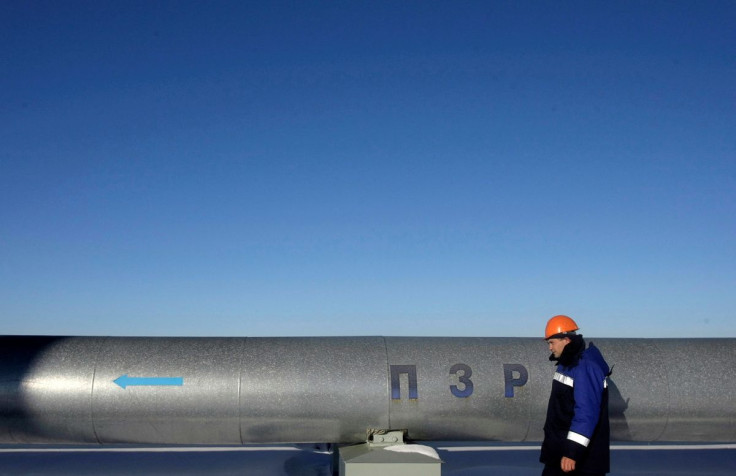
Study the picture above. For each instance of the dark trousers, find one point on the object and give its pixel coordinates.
(550, 470)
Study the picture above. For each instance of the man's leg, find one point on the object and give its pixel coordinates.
(550, 470)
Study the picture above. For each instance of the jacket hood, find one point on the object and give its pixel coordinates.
(595, 355)
(572, 351)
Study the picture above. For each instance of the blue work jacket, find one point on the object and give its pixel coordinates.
(577, 423)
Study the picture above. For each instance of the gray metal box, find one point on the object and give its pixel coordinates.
(364, 460)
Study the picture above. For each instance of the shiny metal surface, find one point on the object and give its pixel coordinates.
(46, 389)
(309, 389)
(335, 389)
(205, 407)
(702, 388)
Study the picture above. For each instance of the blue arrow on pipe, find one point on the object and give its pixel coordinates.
(124, 381)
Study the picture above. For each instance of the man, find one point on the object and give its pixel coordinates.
(576, 432)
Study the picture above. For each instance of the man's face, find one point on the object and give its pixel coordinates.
(557, 344)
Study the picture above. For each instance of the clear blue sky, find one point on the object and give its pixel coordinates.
(361, 168)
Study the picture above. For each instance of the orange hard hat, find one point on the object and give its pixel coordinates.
(559, 325)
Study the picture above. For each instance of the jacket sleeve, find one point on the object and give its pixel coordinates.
(588, 391)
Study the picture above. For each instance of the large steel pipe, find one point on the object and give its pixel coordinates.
(335, 389)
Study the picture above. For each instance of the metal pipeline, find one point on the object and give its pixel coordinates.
(106, 390)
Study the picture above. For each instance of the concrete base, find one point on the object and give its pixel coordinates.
(367, 460)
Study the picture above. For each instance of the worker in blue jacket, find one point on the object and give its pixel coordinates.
(576, 432)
